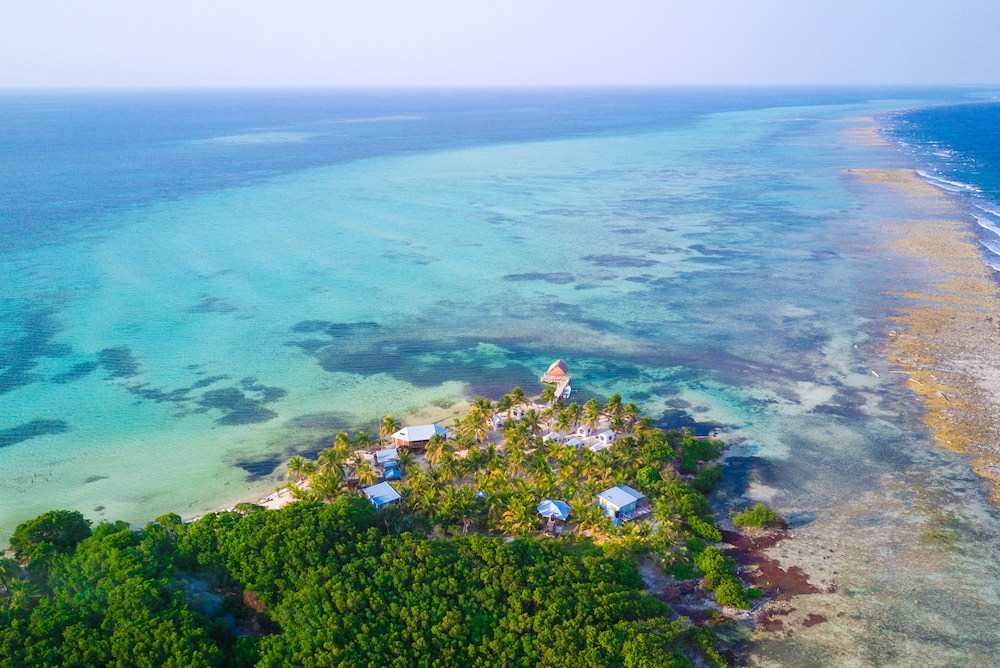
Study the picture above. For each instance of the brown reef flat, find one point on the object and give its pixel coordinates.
(946, 334)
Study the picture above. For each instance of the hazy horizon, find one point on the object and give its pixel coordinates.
(308, 44)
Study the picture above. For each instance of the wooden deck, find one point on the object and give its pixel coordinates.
(560, 382)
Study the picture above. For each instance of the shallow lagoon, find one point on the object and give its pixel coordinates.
(723, 273)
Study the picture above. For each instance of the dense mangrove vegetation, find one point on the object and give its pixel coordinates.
(461, 574)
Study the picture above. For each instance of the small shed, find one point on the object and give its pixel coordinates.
(386, 456)
(382, 495)
(622, 503)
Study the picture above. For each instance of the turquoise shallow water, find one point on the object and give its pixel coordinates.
(715, 266)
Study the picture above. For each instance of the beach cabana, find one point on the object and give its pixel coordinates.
(557, 371)
(382, 495)
(553, 436)
(553, 509)
(575, 442)
(558, 374)
(607, 437)
(417, 437)
(623, 504)
(555, 514)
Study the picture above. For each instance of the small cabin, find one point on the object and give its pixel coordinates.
(381, 495)
(623, 504)
(606, 437)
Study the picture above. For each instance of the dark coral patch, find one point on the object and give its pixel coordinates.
(557, 278)
(76, 372)
(19, 355)
(38, 427)
(259, 468)
(239, 406)
(213, 305)
(310, 326)
(118, 362)
(611, 260)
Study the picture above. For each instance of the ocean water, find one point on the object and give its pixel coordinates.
(957, 147)
(196, 286)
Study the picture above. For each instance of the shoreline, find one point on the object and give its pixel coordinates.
(946, 333)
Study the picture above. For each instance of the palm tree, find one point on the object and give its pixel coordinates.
(573, 412)
(437, 449)
(327, 487)
(548, 394)
(365, 473)
(362, 440)
(388, 427)
(613, 406)
(483, 405)
(518, 519)
(618, 421)
(515, 436)
(591, 413)
(533, 421)
(545, 483)
(563, 422)
(514, 462)
(591, 518)
(405, 459)
(450, 468)
(480, 418)
(296, 468)
(504, 404)
(342, 444)
(476, 460)
(477, 424)
(21, 591)
(630, 412)
(8, 571)
(331, 463)
(517, 397)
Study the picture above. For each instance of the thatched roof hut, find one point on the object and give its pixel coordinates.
(558, 368)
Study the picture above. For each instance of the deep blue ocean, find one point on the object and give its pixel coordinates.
(66, 159)
(196, 286)
(957, 148)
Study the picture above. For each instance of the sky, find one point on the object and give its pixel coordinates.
(249, 43)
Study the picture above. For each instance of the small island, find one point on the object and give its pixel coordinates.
(529, 532)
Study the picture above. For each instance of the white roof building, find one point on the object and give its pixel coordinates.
(548, 508)
(417, 435)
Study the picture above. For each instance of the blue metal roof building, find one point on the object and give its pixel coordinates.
(622, 503)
